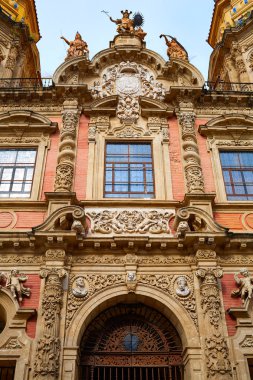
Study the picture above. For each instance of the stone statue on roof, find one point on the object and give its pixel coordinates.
(175, 49)
(77, 48)
(127, 25)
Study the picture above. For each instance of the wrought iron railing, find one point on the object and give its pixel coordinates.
(26, 84)
(220, 86)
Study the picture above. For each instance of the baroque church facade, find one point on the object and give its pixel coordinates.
(126, 213)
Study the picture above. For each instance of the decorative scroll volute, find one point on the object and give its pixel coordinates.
(67, 148)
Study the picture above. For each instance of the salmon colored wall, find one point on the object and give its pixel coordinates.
(32, 302)
(51, 161)
(81, 159)
(29, 219)
(177, 173)
(229, 220)
(205, 157)
(228, 284)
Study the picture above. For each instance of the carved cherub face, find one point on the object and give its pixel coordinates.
(244, 272)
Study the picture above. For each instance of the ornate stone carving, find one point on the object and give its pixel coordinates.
(128, 109)
(48, 347)
(205, 254)
(168, 284)
(129, 79)
(216, 349)
(79, 289)
(130, 222)
(17, 259)
(182, 228)
(64, 177)
(193, 171)
(235, 259)
(14, 282)
(182, 289)
(12, 56)
(217, 357)
(131, 281)
(12, 344)
(128, 132)
(209, 290)
(247, 341)
(95, 283)
(54, 254)
(65, 167)
(245, 285)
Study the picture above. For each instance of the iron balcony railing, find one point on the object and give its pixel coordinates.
(26, 84)
(222, 87)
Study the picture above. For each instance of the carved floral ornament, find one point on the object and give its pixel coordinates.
(130, 221)
(84, 286)
(128, 80)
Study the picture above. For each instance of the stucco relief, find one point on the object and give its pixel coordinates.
(93, 283)
(129, 221)
(169, 284)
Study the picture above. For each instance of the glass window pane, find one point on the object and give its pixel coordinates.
(131, 169)
(16, 168)
(26, 156)
(8, 156)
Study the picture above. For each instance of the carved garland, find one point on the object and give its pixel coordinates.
(129, 222)
(65, 166)
(193, 171)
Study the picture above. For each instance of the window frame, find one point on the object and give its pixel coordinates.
(240, 169)
(40, 145)
(217, 169)
(152, 196)
(15, 166)
(103, 130)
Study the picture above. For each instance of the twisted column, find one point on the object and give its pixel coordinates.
(192, 168)
(67, 148)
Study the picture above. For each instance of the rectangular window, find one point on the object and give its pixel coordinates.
(128, 171)
(16, 172)
(237, 168)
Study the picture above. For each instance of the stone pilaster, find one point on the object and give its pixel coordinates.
(191, 157)
(47, 360)
(67, 148)
(217, 357)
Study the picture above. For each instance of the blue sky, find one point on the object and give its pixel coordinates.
(188, 21)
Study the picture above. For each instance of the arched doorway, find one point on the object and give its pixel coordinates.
(131, 342)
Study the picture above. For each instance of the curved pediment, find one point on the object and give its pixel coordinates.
(193, 219)
(69, 218)
(26, 119)
(233, 124)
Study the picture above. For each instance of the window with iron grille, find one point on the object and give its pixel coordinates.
(237, 168)
(129, 171)
(16, 172)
